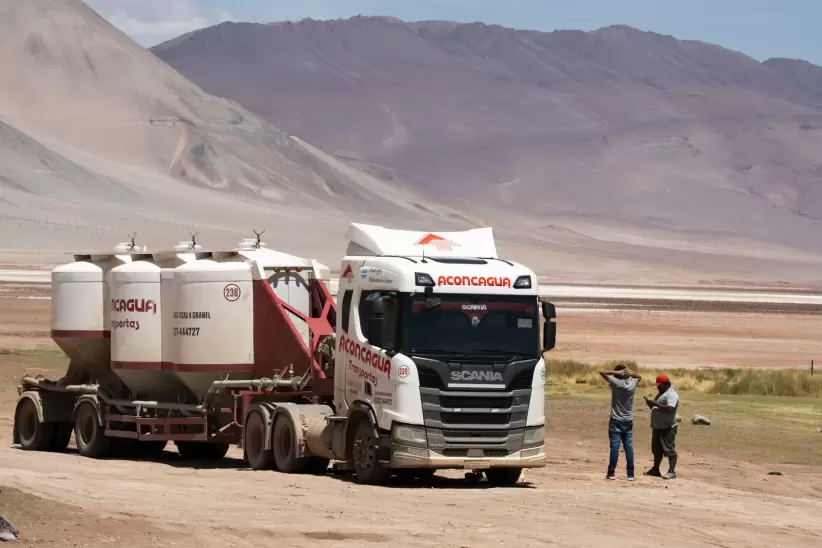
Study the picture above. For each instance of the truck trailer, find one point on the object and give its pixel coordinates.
(430, 359)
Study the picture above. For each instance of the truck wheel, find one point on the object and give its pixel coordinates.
(200, 450)
(285, 452)
(61, 437)
(88, 434)
(34, 435)
(257, 455)
(503, 476)
(367, 464)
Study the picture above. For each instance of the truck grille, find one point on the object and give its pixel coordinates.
(465, 403)
(481, 422)
(475, 418)
(462, 453)
(475, 425)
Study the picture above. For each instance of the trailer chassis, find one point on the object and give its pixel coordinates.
(57, 405)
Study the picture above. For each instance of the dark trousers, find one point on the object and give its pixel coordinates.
(621, 432)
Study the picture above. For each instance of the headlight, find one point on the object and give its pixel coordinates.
(410, 434)
(534, 436)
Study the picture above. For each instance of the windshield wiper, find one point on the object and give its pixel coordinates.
(498, 352)
(437, 351)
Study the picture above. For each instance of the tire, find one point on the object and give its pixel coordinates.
(201, 450)
(62, 436)
(88, 433)
(258, 456)
(318, 465)
(367, 466)
(285, 452)
(34, 435)
(503, 476)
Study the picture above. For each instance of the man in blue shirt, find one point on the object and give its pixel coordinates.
(621, 424)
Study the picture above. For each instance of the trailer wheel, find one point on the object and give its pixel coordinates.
(62, 436)
(285, 452)
(503, 476)
(88, 434)
(201, 450)
(34, 435)
(259, 457)
(367, 464)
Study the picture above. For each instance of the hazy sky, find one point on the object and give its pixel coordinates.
(760, 28)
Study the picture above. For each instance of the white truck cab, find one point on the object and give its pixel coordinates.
(440, 338)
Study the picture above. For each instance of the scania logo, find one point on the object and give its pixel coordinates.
(485, 376)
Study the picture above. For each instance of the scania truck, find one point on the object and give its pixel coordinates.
(439, 347)
(430, 358)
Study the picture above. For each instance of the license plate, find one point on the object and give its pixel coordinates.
(471, 464)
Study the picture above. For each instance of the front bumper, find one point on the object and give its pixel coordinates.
(403, 456)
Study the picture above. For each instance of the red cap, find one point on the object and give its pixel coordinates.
(661, 379)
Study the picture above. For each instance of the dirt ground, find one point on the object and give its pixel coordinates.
(568, 503)
(717, 500)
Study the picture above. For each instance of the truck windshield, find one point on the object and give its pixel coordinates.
(472, 324)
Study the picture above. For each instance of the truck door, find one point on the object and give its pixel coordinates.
(341, 372)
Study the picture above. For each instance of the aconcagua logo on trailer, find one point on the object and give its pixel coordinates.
(134, 305)
(348, 274)
(476, 281)
(437, 241)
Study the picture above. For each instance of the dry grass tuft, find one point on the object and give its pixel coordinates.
(728, 381)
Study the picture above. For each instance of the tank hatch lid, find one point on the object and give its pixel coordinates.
(269, 258)
(371, 240)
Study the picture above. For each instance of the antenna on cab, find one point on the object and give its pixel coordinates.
(259, 235)
(131, 237)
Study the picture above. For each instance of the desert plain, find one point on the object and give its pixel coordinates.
(751, 478)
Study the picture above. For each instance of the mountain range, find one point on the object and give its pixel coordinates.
(624, 146)
(100, 139)
(614, 155)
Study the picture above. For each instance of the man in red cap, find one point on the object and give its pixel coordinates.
(663, 426)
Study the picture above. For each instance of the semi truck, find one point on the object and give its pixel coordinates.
(430, 358)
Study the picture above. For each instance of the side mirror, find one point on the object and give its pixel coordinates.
(430, 300)
(375, 331)
(549, 311)
(549, 335)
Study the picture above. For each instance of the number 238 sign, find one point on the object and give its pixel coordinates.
(231, 292)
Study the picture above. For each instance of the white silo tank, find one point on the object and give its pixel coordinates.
(80, 321)
(212, 323)
(137, 333)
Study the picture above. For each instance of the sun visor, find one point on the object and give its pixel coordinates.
(370, 240)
